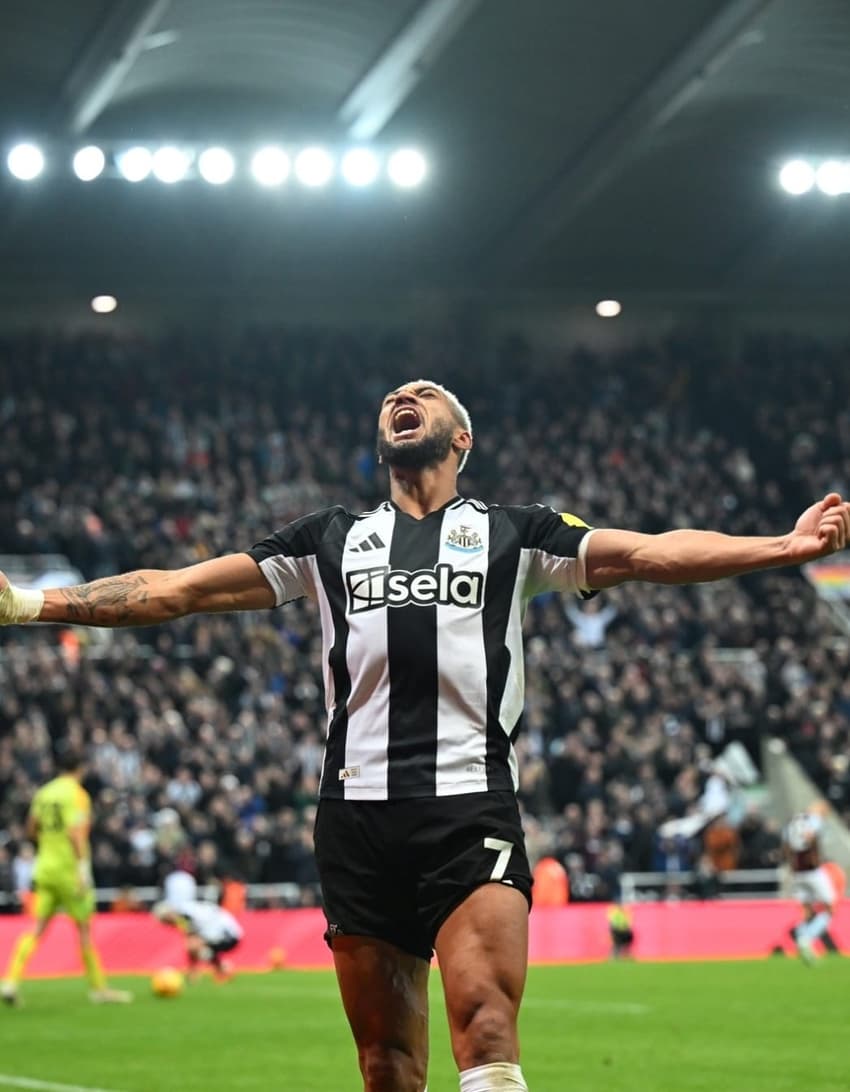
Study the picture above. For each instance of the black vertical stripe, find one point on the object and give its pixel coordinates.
(412, 662)
(329, 561)
(503, 562)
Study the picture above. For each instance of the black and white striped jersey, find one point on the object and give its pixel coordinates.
(422, 635)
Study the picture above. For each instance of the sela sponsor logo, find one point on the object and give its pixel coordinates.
(382, 586)
(464, 539)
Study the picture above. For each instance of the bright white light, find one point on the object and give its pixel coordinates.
(135, 164)
(407, 168)
(216, 166)
(833, 177)
(104, 305)
(314, 167)
(270, 166)
(170, 164)
(360, 167)
(25, 161)
(608, 308)
(797, 177)
(89, 163)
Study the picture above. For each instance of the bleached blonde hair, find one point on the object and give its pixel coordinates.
(461, 413)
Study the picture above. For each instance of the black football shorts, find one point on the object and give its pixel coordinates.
(396, 869)
(226, 944)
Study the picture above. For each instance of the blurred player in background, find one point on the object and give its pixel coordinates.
(178, 887)
(210, 930)
(731, 772)
(621, 930)
(813, 884)
(59, 822)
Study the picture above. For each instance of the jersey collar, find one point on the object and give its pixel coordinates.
(455, 502)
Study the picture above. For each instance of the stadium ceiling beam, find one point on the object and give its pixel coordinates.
(381, 91)
(109, 56)
(616, 143)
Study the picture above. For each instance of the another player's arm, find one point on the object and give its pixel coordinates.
(144, 597)
(79, 833)
(690, 557)
(76, 820)
(78, 836)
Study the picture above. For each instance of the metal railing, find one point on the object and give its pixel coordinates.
(746, 883)
(278, 895)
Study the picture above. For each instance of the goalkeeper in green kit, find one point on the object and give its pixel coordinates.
(59, 822)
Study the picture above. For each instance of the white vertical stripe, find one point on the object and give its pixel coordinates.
(368, 733)
(513, 696)
(462, 663)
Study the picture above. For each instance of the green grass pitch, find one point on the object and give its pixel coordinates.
(771, 1026)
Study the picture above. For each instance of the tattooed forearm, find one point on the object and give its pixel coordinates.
(147, 597)
(115, 599)
(132, 599)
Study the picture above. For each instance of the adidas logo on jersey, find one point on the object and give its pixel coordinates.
(381, 586)
(372, 542)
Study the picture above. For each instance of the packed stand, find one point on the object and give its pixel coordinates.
(205, 736)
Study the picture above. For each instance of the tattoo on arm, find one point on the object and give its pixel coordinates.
(113, 601)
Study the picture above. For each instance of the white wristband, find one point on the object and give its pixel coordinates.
(84, 872)
(19, 605)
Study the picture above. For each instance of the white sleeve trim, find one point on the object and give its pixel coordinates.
(285, 577)
(581, 562)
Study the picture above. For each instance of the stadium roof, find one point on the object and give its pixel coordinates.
(579, 148)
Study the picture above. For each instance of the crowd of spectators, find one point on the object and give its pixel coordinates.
(204, 737)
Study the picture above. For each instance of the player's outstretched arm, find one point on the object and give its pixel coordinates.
(690, 557)
(144, 597)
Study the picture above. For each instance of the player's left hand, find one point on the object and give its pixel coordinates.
(821, 529)
(85, 880)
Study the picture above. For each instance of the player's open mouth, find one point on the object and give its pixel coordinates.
(405, 422)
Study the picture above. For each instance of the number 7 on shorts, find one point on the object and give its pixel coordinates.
(504, 849)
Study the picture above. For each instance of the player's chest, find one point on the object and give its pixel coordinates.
(392, 561)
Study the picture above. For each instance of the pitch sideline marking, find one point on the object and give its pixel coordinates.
(11, 1081)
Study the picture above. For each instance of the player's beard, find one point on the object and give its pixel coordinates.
(430, 451)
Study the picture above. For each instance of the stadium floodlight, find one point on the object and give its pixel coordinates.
(216, 166)
(25, 161)
(104, 305)
(89, 163)
(833, 178)
(170, 164)
(270, 166)
(608, 308)
(407, 168)
(797, 177)
(314, 167)
(359, 167)
(135, 164)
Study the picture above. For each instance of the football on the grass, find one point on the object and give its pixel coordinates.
(167, 982)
